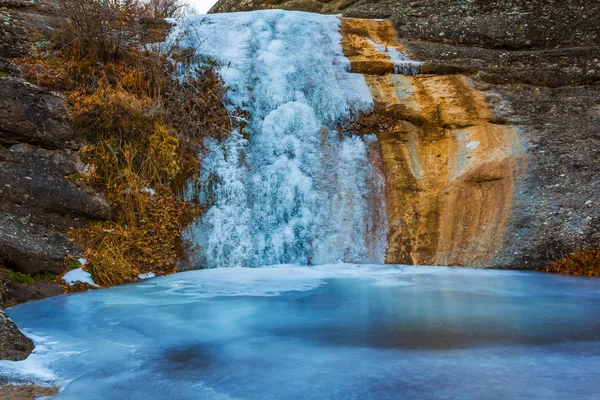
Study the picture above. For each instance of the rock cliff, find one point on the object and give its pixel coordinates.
(38, 155)
(492, 161)
(531, 41)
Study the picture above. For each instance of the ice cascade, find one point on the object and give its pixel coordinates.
(293, 189)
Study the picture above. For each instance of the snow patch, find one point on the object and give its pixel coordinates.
(34, 368)
(403, 65)
(472, 145)
(78, 275)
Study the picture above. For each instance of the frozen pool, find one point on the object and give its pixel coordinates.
(330, 332)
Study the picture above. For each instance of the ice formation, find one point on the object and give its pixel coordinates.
(403, 65)
(294, 190)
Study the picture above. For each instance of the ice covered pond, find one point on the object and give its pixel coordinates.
(330, 332)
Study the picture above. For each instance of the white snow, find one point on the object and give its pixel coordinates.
(147, 275)
(35, 367)
(150, 191)
(296, 191)
(82, 261)
(402, 63)
(472, 145)
(78, 275)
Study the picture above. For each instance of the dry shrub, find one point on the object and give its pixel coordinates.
(134, 154)
(119, 252)
(99, 29)
(379, 120)
(165, 8)
(581, 263)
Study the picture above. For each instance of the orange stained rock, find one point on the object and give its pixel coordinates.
(359, 40)
(450, 167)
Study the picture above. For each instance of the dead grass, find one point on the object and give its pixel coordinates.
(581, 263)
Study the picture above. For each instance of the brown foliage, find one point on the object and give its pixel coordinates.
(144, 130)
(376, 121)
(119, 252)
(581, 263)
(99, 30)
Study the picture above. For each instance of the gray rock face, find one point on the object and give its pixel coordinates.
(516, 24)
(18, 293)
(33, 115)
(38, 202)
(557, 204)
(31, 248)
(21, 22)
(37, 177)
(14, 345)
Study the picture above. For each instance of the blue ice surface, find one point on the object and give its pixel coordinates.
(329, 332)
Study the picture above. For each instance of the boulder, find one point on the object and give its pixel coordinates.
(39, 177)
(14, 345)
(38, 203)
(30, 114)
(31, 248)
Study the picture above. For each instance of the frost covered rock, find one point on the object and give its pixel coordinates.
(147, 275)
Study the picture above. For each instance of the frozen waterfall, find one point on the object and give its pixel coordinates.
(296, 190)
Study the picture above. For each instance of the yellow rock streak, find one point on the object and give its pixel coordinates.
(450, 167)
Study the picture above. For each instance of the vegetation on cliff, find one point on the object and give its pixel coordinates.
(580, 263)
(143, 113)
